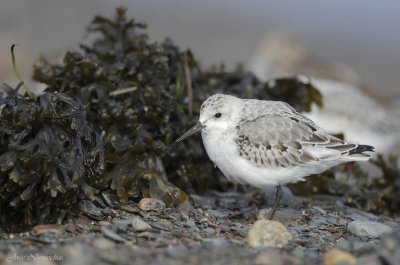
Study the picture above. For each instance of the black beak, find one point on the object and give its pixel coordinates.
(195, 129)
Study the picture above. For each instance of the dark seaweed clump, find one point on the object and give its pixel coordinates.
(356, 188)
(297, 91)
(379, 196)
(50, 157)
(129, 87)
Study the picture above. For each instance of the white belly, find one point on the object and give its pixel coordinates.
(226, 156)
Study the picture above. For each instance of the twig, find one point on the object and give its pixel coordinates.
(123, 91)
(196, 66)
(189, 85)
(33, 97)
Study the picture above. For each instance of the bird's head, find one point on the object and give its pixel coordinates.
(218, 113)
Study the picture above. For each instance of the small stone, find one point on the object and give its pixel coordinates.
(123, 222)
(217, 213)
(336, 256)
(190, 223)
(83, 227)
(151, 204)
(139, 225)
(359, 215)
(112, 235)
(243, 231)
(166, 224)
(89, 208)
(209, 230)
(160, 227)
(295, 230)
(130, 208)
(368, 228)
(104, 223)
(224, 227)
(319, 209)
(356, 216)
(268, 234)
(70, 228)
(55, 228)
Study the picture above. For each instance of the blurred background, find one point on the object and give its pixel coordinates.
(363, 34)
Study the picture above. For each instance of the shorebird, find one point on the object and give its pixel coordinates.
(268, 143)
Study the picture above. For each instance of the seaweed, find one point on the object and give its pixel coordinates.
(50, 157)
(129, 88)
(298, 90)
(380, 196)
(377, 195)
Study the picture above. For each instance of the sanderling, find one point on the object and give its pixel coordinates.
(267, 143)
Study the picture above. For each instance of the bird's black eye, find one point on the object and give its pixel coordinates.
(218, 115)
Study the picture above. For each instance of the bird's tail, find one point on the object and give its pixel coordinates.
(358, 153)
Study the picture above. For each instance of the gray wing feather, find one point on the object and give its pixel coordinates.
(284, 138)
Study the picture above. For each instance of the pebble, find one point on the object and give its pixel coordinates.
(268, 234)
(224, 228)
(217, 213)
(70, 228)
(336, 256)
(104, 223)
(356, 216)
(209, 230)
(319, 209)
(368, 228)
(130, 208)
(243, 231)
(123, 222)
(89, 208)
(83, 227)
(139, 225)
(160, 227)
(204, 236)
(55, 228)
(112, 235)
(151, 204)
(297, 229)
(190, 223)
(166, 224)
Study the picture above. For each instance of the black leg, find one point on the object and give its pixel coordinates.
(278, 197)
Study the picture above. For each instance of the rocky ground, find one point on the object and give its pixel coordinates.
(217, 228)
